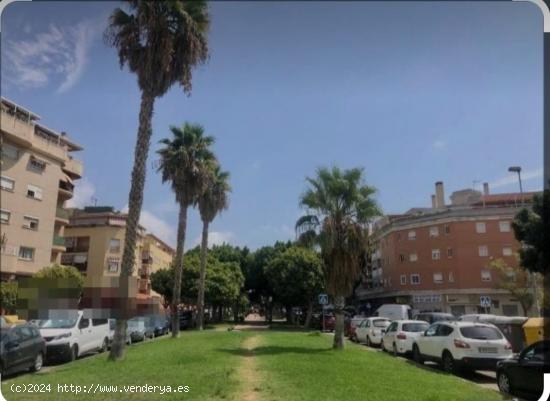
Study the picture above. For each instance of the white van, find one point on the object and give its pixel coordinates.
(394, 312)
(70, 335)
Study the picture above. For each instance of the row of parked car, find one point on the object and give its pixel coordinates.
(458, 345)
(27, 345)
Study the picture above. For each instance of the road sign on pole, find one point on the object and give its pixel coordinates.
(485, 302)
(323, 299)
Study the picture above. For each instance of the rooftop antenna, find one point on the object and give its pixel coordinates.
(93, 199)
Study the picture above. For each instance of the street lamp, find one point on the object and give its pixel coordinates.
(517, 169)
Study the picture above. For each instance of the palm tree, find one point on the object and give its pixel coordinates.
(339, 208)
(186, 161)
(211, 202)
(161, 42)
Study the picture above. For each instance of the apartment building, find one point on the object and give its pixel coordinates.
(94, 240)
(37, 178)
(437, 259)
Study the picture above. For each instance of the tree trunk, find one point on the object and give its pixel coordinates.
(339, 303)
(220, 313)
(135, 201)
(236, 313)
(288, 312)
(178, 270)
(269, 312)
(200, 300)
(307, 323)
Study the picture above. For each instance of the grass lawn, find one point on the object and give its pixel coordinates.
(254, 366)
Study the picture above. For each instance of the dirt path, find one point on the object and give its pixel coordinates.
(249, 371)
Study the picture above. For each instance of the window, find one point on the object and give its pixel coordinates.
(4, 216)
(401, 258)
(444, 330)
(449, 252)
(37, 165)
(481, 227)
(114, 245)
(112, 265)
(99, 322)
(30, 223)
(483, 251)
(34, 192)
(26, 253)
(7, 183)
(507, 251)
(510, 276)
(447, 229)
(485, 275)
(434, 231)
(412, 235)
(436, 255)
(415, 278)
(484, 332)
(10, 152)
(403, 279)
(438, 278)
(504, 226)
(510, 310)
(451, 277)
(413, 257)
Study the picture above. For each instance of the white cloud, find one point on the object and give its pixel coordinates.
(84, 190)
(512, 178)
(216, 238)
(57, 54)
(157, 226)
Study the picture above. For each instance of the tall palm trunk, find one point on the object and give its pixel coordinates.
(176, 294)
(339, 303)
(200, 300)
(135, 201)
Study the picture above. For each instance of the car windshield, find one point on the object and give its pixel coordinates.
(380, 323)
(481, 333)
(135, 323)
(439, 318)
(57, 323)
(415, 327)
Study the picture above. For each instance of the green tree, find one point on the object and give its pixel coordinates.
(57, 271)
(162, 281)
(211, 201)
(8, 296)
(161, 42)
(516, 281)
(339, 207)
(296, 277)
(185, 161)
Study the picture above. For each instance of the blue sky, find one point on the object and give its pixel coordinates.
(412, 92)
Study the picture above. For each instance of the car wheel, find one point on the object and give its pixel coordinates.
(38, 362)
(104, 345)
(416, 355)
(394, 349)
(73, 354)
(504, 383)
(448, 362)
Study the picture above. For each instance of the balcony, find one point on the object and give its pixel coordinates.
(144, 271)
(66, 190)
(62, 216)
(73, 167)
(58, 243)
(19, 131)
(144, 286)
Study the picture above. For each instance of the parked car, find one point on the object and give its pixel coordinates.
(160, 323)
(21, 348)
(462, 345)
(187, 320)
(522, 376)
(330, 322)
(511, 326)
(400, 335)
(353, 327)
(73, 335)
(432, 317)
(140, 329)
(112, 326)
(394, 311)
(369, 330)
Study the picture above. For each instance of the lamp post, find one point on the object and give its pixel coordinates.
(517, 169)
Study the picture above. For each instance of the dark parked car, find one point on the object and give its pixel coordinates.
(432, 317)
(522, 376)
(21, 348)
(140, 328)
(187, 320)
(160, 324)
